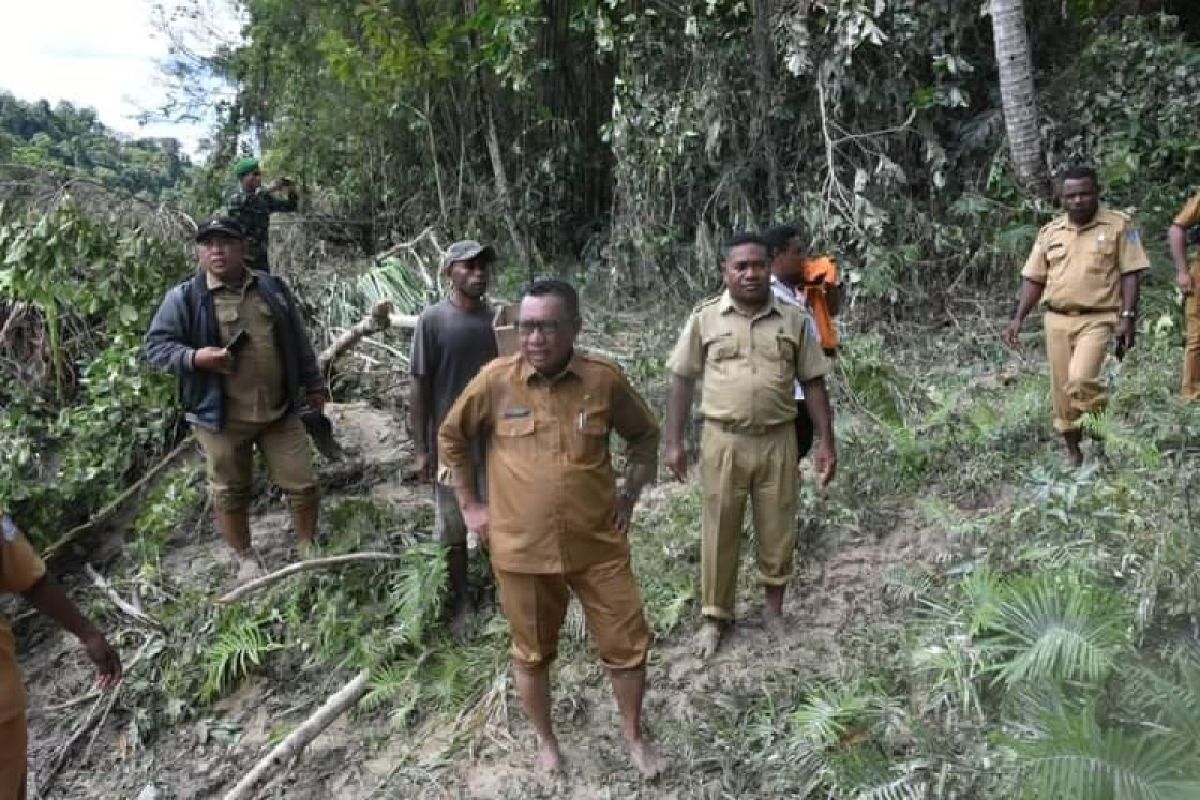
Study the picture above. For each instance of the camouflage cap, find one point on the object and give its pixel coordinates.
(466, 250)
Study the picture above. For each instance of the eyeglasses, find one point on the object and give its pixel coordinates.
(547, 327)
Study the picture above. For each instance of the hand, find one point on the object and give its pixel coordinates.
(825, 460)
(423, 467)
(1126, 333)
(623, 512)
(477, 517)
(108, 663)
(214, 359)
(1186, 284)
(317, 400)
(1012, 334)
(677, 461)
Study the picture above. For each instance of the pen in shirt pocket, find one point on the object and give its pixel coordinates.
(583, 414)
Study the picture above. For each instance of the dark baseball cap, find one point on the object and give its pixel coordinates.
(223, 225)
(466, 250)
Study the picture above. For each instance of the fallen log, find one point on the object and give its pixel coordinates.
(379, 320)
(109, 511)
(303, 566)
(297, 740)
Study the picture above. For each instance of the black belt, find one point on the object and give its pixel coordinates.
(1079, 312)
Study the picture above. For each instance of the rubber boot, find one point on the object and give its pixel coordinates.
(235, 530)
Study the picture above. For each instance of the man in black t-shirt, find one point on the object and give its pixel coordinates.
(452, 340)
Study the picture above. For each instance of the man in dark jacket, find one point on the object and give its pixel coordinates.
(236, 341)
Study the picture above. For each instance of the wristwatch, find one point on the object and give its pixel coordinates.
(1128, 314)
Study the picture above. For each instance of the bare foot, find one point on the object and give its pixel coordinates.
(646, 758)
(248, 568)
(708, 640)
(776, 627)
(306, 550)
(549, 759)
(1073, 459)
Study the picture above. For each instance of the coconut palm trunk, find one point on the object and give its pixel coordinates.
(1016, 90)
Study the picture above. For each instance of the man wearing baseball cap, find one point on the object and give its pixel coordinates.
(252, 204)
(236, 341)
(452, 340)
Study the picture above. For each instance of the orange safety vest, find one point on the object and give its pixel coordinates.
(820, 274)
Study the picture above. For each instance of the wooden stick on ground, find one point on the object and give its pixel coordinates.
(303, 566)
(109, 511)
(378, 321)
(297, 740)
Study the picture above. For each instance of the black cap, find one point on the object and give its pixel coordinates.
(226, 225)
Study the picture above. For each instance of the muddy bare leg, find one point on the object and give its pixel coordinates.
(629, 687)
(773, 610)
(533, 686)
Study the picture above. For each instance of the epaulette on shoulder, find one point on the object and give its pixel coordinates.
(703, 304)
(1118, 215)
(597, 359)
(1058, 222)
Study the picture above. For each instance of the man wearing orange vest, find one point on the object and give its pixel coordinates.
(812, 284)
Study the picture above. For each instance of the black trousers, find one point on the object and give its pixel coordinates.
(804, 429)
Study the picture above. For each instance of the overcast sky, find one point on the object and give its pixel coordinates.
(99, 53)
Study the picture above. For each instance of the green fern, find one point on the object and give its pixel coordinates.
(242, 643)
(1051, 628)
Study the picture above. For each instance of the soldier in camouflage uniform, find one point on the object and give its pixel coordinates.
(252, 204)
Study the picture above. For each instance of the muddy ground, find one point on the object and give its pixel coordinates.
(837, 595)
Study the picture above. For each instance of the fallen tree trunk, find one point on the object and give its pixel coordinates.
(303, 566)
(297, 740)
(379, 320)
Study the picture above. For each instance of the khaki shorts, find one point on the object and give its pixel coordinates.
(536, 605)
(13, 744)
(230, 456)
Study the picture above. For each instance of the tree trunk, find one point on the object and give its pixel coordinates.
(764, 52)
(1016, 90)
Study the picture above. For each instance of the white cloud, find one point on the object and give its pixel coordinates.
(102, 54)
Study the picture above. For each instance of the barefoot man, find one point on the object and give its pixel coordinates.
(1085, 268)
(556, 521)
(749, 350)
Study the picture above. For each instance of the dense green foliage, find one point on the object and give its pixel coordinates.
(73, 142)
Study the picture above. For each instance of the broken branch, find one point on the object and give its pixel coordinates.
(297, 740)
(303, 566)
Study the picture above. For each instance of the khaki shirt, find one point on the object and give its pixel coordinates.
(20, 569)
(551, 485)
(749, 364)
(255, 391)
(1189, 217)
(1081, 267)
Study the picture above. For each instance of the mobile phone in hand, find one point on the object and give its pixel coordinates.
(238, 341)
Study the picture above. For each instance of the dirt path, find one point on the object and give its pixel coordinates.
(834, 598)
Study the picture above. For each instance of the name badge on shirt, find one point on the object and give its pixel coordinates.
(516, 412)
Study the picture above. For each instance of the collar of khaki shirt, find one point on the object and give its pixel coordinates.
(528, 372)
(215, 283)
(727, 305)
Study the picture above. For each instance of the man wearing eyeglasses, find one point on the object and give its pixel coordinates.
(556, 521)
(252, 204)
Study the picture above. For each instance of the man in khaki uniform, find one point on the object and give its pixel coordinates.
(1187, 219)
(21, 571)
(749, 349)
(1084, 267)
(555, 520)
(236, 341)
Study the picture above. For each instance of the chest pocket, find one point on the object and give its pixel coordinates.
(721, 351)
(786, 349)
(1104, 254)
(258, 314)
(588, 439)
(1056, 257)
(516, 436)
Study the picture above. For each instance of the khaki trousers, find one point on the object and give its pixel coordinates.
(1191, 348)
(1076, 347)
(536, 605)
(736, 467)
(230, 460)
(13, 743)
